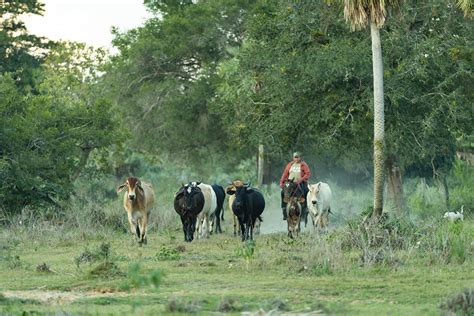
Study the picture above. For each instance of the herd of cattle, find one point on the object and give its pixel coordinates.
(200, 207)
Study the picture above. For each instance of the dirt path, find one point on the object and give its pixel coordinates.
(56, 297)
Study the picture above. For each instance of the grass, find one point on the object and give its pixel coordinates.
(224, 275)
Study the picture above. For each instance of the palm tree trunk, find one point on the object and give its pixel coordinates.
(379, 121)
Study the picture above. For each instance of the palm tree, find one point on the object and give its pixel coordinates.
(465, 6)
(359, 13)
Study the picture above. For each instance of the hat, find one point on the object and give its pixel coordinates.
(296, 154)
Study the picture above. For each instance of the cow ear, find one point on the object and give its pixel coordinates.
(120, 188)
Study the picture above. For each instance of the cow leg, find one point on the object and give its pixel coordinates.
(185, 228)
(199, 228)
(144, 227)
(235, 224)
(132, 226)
(313, 219)
(205, 226)
(218, 224)
(250, 224)
(242, 229)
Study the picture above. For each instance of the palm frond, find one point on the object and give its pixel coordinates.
(466, 7)
(360, 12)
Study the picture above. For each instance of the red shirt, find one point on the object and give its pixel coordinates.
(305, 173)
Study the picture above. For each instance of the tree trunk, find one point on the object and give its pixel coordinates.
(395, 184)
(379, 124)
(444, 181)
(260, 165)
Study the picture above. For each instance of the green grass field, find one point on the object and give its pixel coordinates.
(104, 273)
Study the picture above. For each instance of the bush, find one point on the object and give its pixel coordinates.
(137, 278)
(461, 303)
(448, 242)
(100, 253)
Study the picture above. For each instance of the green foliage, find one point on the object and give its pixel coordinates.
(102, 252)
(165, 77)
(168, 253)
(138, 278)
(106, 269)
(47, 136)
(176, 305)
(460, 303)
(448, 242)
(11, 261)
(21, 54)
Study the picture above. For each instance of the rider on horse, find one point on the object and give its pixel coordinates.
(297, 171)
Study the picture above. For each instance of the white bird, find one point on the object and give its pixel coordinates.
(452, 216)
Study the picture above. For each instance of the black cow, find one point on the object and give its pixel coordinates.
(216, 216)
(188, 203)
(248, 206)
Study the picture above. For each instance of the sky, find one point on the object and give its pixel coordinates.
(88, 21)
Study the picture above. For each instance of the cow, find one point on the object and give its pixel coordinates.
(235, 221)
(319, 203)
(210, 204)
(218, 214)
(247, 206)
(188, 203)
(137, 201)
(230, 189)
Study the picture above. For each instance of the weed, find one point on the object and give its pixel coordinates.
(106, 269)
(44, 268)
(137, 278)
(246, 251)
(447, 242)
(228, 305)
(100, 253)
(279, 305)
(322, 268)
(168, 253)
(461, 303)
(176, 305)
(11, 261)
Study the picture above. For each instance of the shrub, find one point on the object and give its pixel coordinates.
(106, 269)
(168, 253)
(176, 305)
(102, 252)
(461, 303)
(137, 278)
(448, 242)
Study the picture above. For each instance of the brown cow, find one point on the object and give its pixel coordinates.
(231, 188)
(138, 201)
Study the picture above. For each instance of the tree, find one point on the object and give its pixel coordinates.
(47, 135)
(20, 53)
(164, 77)
(359, 13)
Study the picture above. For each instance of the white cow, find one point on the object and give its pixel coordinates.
(319, 200)
(210, 204)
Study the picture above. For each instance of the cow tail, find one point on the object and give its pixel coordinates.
(222, 214)
(260, 218)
